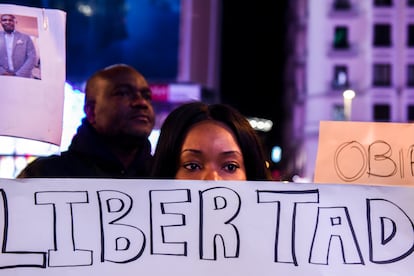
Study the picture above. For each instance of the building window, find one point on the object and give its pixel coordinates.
(341, 38)
(382, 35)
(341, 5)
(340, 77)
(410, 75)
(410, 35)
(338, 112)
(383, 3)
(382, 75)
(381, 113)
(410, 113)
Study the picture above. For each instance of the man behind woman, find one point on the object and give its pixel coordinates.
(112, 141)
(209, 142)
(197, 140)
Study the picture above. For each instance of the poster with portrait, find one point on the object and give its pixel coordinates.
(32, 72)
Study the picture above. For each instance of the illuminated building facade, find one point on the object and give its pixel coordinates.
(365, 46)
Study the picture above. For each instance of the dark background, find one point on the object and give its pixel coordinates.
(253, 59)
(147, 37)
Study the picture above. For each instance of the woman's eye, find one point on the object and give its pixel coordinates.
(231, 167)
(191, 166)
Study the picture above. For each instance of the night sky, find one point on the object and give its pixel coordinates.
(253, 60)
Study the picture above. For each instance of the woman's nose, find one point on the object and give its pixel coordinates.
(212, 174)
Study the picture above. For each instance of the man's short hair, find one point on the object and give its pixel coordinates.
(12, 15)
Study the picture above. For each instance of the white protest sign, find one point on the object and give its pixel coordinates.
(365, 153)
(32, 107)
(175, 227)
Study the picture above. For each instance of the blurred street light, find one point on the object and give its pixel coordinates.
(260, 124)
(348, 96)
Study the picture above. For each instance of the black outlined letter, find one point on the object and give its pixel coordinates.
(218, 208)
(65, 252)
(385, 235)
(286, 202)
(10, 259)
(113, 206)
(334, 224)
(164, 220)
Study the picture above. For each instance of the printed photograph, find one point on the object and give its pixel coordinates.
(19, 51)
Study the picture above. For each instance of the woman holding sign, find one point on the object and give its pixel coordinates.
(209, 142)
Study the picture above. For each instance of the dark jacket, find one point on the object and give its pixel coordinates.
(88, 157)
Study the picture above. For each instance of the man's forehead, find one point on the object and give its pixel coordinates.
(127, 78)
(7, 15)
(121, 80)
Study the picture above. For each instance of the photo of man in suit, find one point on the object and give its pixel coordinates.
(17, 51)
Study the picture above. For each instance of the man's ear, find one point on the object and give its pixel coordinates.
(89, 109)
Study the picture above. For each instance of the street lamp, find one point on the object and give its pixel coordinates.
(348, 96)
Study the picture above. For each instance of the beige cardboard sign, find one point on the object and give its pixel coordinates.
(365, 153)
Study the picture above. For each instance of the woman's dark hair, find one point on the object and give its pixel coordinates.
(181, 119)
